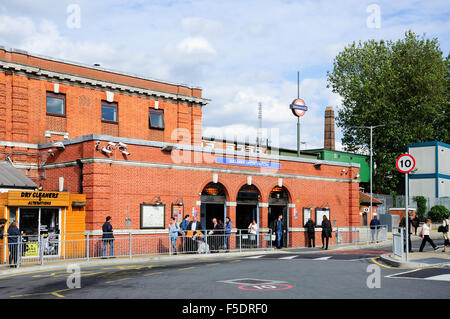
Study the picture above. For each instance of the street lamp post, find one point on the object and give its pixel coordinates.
(372, 127)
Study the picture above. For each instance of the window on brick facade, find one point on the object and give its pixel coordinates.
(109, 112)
(56, 104)
(156, 118)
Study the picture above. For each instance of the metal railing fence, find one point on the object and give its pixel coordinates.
(19, 250)
(398, 241)
(361, 234)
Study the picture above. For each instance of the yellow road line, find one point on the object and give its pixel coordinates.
(213, 264)
(235, 261)
(54, 293)
(153, 273)
(111, 281)
(186, 268)
(374, 261)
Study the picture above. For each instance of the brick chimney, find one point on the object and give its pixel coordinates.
(328, 142)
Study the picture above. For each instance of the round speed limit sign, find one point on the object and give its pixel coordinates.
(405, 163)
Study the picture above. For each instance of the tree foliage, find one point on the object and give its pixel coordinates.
(387, 81)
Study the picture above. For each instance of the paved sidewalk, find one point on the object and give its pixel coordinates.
(419, 260)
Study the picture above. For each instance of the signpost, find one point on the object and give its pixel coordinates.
(405, 164)
(298, 108)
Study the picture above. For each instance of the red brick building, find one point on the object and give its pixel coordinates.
(133, 144)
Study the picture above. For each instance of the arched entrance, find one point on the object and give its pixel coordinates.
(247, 208)
(278, 205)
(213, 204)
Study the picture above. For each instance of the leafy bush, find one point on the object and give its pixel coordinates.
(421, 206)
(437, 213)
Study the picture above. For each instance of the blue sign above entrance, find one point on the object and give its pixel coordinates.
(245, 162)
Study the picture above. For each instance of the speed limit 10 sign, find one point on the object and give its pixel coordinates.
(405, 163)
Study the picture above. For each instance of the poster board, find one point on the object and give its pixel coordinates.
(178, 213)
(306, 214)
(320, 212)
(153, 216)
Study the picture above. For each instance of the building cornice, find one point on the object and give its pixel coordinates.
(53, 76)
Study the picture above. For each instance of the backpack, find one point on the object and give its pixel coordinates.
(443, 229)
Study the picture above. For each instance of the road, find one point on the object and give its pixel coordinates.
(289, 274)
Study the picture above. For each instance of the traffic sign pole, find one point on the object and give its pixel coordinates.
(407, 215)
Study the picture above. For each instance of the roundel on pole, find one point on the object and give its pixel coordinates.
(298, 107)
(405, 163)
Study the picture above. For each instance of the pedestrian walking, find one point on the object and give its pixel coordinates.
(426, 236)
(327, 230)
(108, 237)
(311, 231)
(278, 230)
(406, 236)
(14, 239)
(374, 228)
(444, 227)
(174, 228)
(228, 227)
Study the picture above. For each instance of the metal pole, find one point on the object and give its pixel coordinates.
(298, 118)
(371, 130)
(406, 216)
(87, 247)
(130, 245)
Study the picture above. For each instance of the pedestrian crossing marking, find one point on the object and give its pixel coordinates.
(254, 257)
(289, 257)
(322, 258)
(445, 277)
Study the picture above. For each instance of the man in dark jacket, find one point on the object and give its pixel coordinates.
(311, 231)
(108, 237)
(327, 230)
(13, 244)
(374, 228)
(403, 226)
(278, 230)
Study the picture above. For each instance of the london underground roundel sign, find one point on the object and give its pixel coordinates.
(298, 107)
(405, 163)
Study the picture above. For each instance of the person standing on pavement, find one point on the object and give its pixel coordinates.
(194, 228)
(311, 231)
(108, 237)
(253, 231)
(2, 227)
(184, 227)
(374, 227)
(326, 232)
(445, 225)
(13, 243)
(213, 240)
(426, 236)
(228, 227)
(174, 228)
(403, 226)
(278, 230)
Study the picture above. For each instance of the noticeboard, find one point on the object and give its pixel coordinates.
(320, 212)
(178, 213)
(152, 216)
(306, 215)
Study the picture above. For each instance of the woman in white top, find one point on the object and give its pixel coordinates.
(253, 228)
(426, 236)
(445, 222)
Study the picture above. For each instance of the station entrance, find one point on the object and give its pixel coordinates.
(213, 205)
(247, 211)
(278, 205)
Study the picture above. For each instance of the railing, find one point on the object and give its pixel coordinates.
(397, 241)
(361, 234)
(43, 249)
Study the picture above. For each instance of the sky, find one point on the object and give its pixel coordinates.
(240, 53)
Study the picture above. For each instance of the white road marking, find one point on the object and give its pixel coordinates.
(289, 257)
(254, 257)
(322, 258)
(445, 277)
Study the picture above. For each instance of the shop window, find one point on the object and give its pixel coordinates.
(56, 104)
(109, 112)
(156, 118)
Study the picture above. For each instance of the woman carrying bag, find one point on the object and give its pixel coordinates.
(326, 231)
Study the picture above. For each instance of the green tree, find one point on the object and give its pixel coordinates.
(387, 81)
(437, 213)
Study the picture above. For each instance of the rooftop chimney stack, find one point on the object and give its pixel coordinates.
(328, 142)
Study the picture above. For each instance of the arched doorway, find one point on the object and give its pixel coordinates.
(247, 208)
(278, 205)
(213, 204)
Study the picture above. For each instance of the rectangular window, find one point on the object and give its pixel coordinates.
(109, 112)
(156, 118)
(56, 104)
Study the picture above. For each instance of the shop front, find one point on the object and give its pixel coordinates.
(46, 219)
